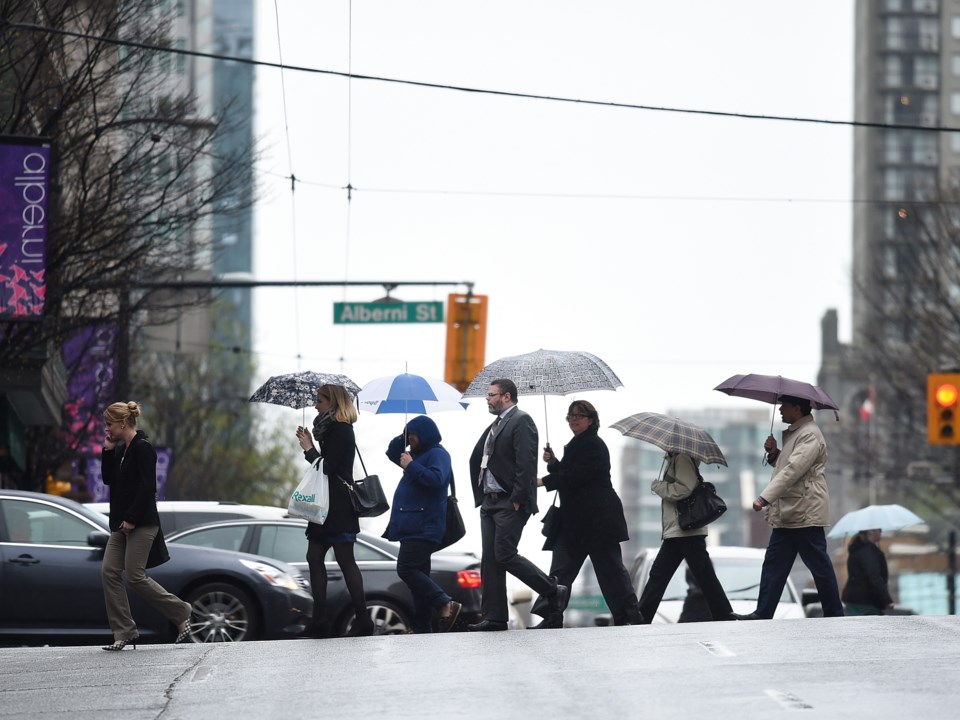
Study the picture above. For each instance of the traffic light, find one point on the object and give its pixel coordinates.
(466, 339)
(943, 404)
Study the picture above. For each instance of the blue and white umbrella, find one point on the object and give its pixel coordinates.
(409, 394)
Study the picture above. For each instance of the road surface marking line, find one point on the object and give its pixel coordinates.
(717, 649)
(788, 701)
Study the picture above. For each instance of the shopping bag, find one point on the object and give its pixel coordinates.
(311, 500)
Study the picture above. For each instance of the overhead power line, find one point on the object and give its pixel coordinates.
(479, 91)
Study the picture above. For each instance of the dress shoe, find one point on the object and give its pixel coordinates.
(445, 622)
(550, 622)
(748, 616)
(487, 626)
(362, 627)
(558, 601)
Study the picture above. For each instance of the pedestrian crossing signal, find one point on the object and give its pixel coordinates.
(943, 404)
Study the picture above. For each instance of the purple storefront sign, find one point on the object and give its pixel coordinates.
(101, 492)
(24, 184)
(88, 355)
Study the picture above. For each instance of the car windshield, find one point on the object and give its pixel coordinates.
(740, 578)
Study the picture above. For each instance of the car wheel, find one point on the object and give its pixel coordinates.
(221, 613)
(388, 619)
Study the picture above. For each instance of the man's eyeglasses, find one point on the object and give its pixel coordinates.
(575, 416)
(493, 395)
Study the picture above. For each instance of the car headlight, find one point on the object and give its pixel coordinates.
(273, 575)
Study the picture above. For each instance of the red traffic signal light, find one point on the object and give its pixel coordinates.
(943, 398)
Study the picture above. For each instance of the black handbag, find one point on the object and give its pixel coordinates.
(366, 494)
(701, 507)
(551, 525)
(454, 529)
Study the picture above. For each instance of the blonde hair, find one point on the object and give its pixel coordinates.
(122, 411)
(342, 408)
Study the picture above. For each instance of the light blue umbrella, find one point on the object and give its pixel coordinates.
(409, 394)
(875, 517)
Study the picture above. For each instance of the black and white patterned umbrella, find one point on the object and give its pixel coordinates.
(299, 390)
(547, 372)
(673, 435)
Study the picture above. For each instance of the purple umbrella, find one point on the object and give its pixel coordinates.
(770, 388)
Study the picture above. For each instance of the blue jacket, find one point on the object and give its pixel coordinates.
(419, 510)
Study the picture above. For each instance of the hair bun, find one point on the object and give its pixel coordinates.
(134, 408)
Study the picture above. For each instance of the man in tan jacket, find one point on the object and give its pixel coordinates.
(797, 507)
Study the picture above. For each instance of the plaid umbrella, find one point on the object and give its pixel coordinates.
(672, 435)
(299, 390)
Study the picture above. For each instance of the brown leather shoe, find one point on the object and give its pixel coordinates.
(445, 622)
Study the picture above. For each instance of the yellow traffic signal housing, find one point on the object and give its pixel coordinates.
(466, 339)
(943, 404)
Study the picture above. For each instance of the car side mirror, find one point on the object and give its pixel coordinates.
(98, 538)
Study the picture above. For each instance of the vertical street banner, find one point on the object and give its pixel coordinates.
(24, 190)
(88, 355)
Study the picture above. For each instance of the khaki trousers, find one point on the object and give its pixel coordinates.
(129, 552)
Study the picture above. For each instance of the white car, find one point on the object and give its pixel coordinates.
(177, 515)
(738, 569)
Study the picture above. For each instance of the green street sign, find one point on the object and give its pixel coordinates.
(387, 312)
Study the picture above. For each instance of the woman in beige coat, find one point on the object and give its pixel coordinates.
(679, 479)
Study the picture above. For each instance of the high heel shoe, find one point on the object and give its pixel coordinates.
(121, 644)
(184, 634)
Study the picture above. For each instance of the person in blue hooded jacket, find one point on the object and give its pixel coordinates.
(418, 519)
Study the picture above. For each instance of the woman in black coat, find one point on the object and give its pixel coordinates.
(134, 527)
(591, 519)
(866, 591)
(333, 431)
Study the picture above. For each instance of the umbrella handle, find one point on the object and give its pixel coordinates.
(546, 421)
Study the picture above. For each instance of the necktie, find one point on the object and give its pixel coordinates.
(488, 443)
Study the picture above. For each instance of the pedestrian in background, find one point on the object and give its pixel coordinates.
(797, 508)
(134, 526)
(680, 476)
(503, 467)
(866, 591)
(333, 431)
(418, 519)
(591, 519)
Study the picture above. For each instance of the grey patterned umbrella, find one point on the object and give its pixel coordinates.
(299, 390)
(672, 435)
(547, 372)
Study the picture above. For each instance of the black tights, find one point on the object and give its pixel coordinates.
(316, 552)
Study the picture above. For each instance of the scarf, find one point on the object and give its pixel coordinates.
(320, 425)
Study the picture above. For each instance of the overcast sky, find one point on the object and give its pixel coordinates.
(680, 248)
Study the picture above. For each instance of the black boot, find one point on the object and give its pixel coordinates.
(362, 625)
(317, 629)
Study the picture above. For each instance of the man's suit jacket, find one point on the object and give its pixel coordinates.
(513, 460)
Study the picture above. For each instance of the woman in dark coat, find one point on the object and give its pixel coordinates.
(418, 519)
(333, 431)
(591, 519)
(866, 591)
(134, 526)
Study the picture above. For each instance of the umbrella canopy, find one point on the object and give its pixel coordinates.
(672, 435)
(299, 390)
(409, 393)
(875, 517)
(770, 388)
(547, 372)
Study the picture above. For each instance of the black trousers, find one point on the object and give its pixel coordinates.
(613, 578)
(672, 552)
(500, 529)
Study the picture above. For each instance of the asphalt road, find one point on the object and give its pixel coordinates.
(836, 668)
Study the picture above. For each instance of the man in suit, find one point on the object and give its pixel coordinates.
(503, 468)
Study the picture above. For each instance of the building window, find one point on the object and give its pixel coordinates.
(955, 102)
(955, 26)
(894, 70)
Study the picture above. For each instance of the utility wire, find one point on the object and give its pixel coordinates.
(479, 91)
